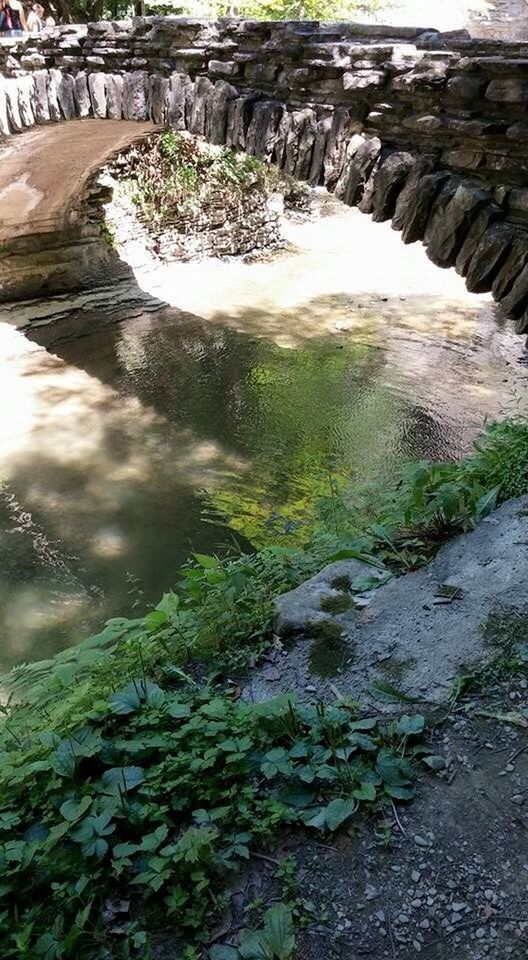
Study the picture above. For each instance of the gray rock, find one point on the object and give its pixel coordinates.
(65, 94)
(223, 94)
(181, 95)
(203, 95)
(114, 96)
(389, 179)
(507, 274)
(490, 254)
(239, 114)
(54, 79)
(515, 303)
(157, 107)
(360, 168)
(263, 128)
(5, 129)
(490, 214)
(97, 88)
(450, 220)
(507, 90)
(298, 609)
(336, 146)
(429, 643)
(25, 100)
(13, 110)
(135, 95)
(316, 167)
(343, 187)
(415, 201)
(40, 96)
(363, 80)
(82, 95)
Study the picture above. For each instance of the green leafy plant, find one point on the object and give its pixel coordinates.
(162, 793)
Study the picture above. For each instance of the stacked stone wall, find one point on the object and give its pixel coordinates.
(426, 129)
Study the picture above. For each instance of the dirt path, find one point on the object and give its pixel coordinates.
(455, 885)
(42, 170)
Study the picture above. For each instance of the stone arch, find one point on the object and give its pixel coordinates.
(419, 127)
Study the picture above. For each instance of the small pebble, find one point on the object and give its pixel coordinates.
(420, 841)
(517, 798)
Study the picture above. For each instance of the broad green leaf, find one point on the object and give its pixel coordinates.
(400, 792)
(435, 762)
(74, 809)
(394, 770)
(223, 952)
(410, 725)
(178, 710)
(338, 811)
(120, 780)
(276, 941)
(366, 791)
(206, 561)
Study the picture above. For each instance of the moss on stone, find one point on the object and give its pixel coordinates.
(339, 604)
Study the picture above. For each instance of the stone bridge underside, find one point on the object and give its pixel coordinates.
(427, 129)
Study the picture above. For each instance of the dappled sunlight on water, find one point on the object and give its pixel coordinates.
(346, 353)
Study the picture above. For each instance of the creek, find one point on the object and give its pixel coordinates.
(224, 414)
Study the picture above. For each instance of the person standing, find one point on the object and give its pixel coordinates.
(12, 18)
(35, 20)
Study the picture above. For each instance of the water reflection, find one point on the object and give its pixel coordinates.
(114, 442)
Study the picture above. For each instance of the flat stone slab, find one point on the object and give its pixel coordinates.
(417, 632)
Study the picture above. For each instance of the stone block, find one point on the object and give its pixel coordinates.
(82, 95)
(263, 128)
(515, 303)
(360, 168)
(13, 110)
(388, 181)
(181, 95)
(507, 90)
(324, 125)
(135, 95)
(223, 68)
(97, 88)
(114, 96)
(507, 274)
(158, 98)
(40, 96)
(363, 80)
(65, 94)
(465, 88)
(203, 95)
(450, 219)
(217, 120)
(491, 213)
(238, 119)
(490, 253)
(54, 79)
(5, 128)
(25, 100)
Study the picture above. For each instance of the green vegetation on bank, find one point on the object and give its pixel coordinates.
(170, 176)
(123, 780)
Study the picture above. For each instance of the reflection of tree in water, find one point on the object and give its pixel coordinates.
(288, 414)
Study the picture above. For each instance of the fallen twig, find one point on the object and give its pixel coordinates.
(396, 817)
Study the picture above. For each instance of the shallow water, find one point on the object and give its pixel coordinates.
(345, 355)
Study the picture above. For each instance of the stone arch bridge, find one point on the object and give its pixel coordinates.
(429, 130)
